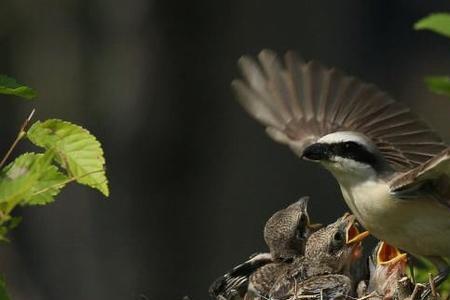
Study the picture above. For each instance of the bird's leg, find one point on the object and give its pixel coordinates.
(444, 272)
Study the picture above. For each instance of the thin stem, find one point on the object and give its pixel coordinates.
(20, 135)
(432, 285)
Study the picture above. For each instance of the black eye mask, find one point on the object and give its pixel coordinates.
(354, 151)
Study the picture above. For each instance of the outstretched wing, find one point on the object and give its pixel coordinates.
(236, 281)
(431, 178)
(301, 102)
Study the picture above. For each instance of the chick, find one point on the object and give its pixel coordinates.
(285, 233)
(388, 279)
(330, 250)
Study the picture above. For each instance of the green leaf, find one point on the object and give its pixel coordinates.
(77, 151)
(439, 84)
(48, 185)
(438, 22)
(3, 293)
(19, 178)
(9, 86)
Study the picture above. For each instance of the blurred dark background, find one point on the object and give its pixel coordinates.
(193, 178)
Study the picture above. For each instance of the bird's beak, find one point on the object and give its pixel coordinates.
(388, 254)
(354, 236)
(316, 152)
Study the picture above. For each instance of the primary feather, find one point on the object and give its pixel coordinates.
(299, 102)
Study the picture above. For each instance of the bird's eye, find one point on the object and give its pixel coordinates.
(338, 237)
(350, 145)
(338, 241)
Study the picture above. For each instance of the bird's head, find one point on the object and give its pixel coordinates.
(337, 245)
(288, 229)
(347, 153)
(387, 266)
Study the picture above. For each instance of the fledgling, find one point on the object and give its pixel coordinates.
(330, 250)
(387, 274)
(285, 233)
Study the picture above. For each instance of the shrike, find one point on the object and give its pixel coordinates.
(393, 170)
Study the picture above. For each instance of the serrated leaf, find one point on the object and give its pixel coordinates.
(438, 84)
(76, 150)
(438, 22)
(19, 178)
(48, 186)
(9, 86)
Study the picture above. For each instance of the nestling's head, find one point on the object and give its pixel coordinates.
(288, 229)
(336, 245)
(387, 267)
(347, 153)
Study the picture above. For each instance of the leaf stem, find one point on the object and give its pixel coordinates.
(20, 135)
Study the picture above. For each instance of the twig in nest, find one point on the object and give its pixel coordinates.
(432, 285)
(418, 288)
(370, 295)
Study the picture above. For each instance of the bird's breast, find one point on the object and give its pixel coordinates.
(414, 225)
(370, 202)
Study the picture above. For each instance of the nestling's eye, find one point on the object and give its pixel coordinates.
(338, 237)
(338, 241)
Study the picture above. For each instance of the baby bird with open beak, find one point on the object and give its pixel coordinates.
(329, 251)
(388, 279)
(285, 233)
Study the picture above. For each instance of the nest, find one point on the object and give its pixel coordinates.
(305, 262)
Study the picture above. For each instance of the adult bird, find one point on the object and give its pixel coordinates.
(393, 170)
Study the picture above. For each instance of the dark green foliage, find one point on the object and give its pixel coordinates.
(9, 86)
(439, 23)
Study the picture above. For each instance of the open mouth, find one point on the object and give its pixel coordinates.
(388, 254)
(353, 235)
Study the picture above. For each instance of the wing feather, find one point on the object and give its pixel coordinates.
(298, 102)
(432, 177)
(236, 280)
